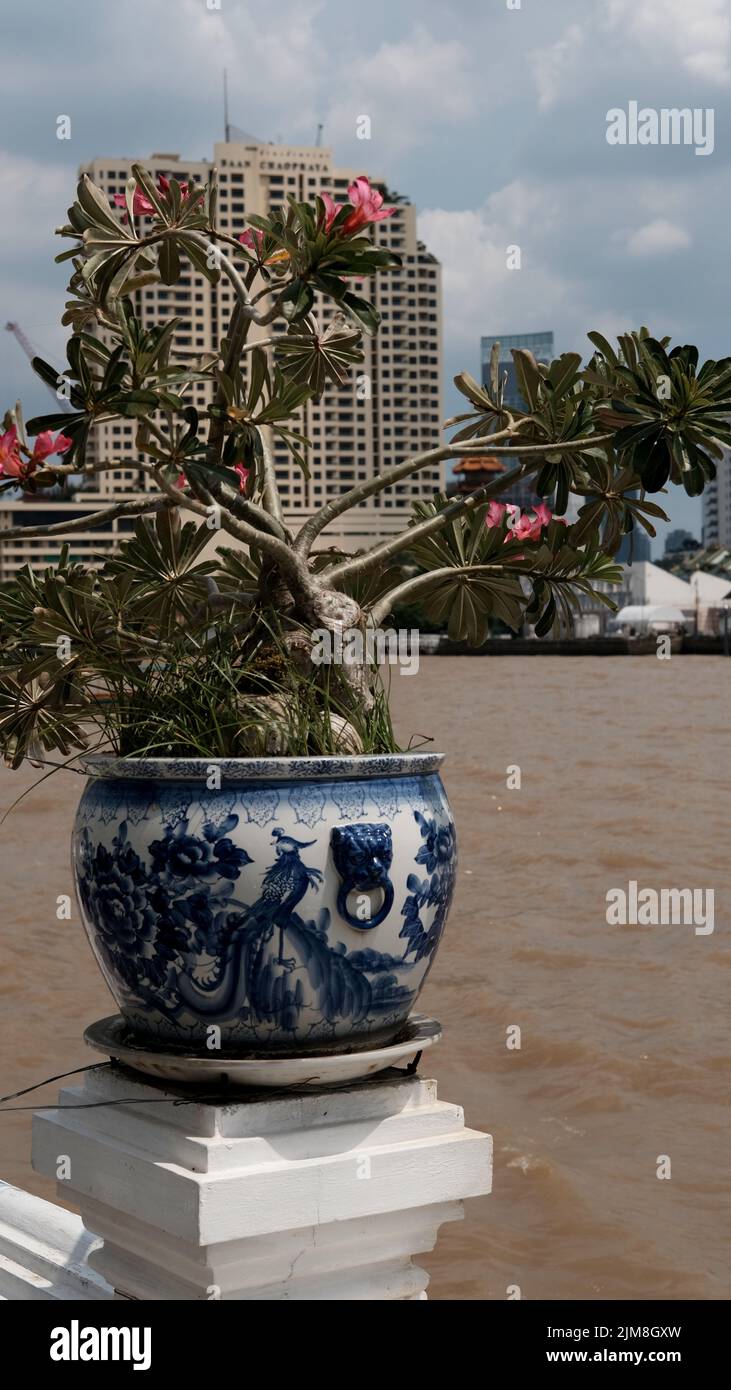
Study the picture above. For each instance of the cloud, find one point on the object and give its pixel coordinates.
(481, 294)
(656, 238)
(635, 41)
(582, 265)
(149, 74)
(31, 286)
(697, 35)
(38, 192)
(581, 269)
(492, 120)
(406, 87)
(553, 66)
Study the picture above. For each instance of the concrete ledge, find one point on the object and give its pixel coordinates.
(322, 1195)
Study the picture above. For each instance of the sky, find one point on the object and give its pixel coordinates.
(491, 115)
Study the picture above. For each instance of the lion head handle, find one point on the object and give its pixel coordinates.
(363, 856)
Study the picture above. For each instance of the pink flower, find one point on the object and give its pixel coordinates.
(141, 205)
(11, 464)
(254, 240)
(45, 445)
(520, 527)
(240, 469)
(495, 513)
(543, 513)
(367, 205)
(243, 474)
(527, 528)
(331, 210)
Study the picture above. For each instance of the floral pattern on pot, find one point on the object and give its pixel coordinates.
(215, 927)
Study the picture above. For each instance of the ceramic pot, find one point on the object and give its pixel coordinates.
(288, 904)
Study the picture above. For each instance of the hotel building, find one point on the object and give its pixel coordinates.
(390, 408)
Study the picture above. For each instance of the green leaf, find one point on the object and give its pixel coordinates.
(361, 310)
(564, 372)
(495, 371)
(259, 375)
(52, 377)
(169, 261)
(529, 377)
(604, 347)
(97, 207)
(199, 259)
(468, 387)
(130, 188)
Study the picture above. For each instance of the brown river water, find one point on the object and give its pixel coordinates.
(625, 1052)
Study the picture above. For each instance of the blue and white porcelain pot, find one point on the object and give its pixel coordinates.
(291, 904)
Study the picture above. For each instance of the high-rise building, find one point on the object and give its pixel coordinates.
(634, 549)
(679, 540)
(717, 506)
(541, 345)
(389, 409)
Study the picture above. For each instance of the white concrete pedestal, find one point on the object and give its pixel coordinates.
(319, 1195)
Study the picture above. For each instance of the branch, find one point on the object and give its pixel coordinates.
(229, 269)
(224, 496)
(240, 506)
(360, 564)
(562, 446)
(247, 510)
(292, 566)
(272, 500)
(322, 518)
(175, 494)
(238, 329)
(260, 343)
(86, 470)
(62, 528)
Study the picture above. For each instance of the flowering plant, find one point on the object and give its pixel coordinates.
(174, 646)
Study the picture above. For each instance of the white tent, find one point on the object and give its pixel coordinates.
(649, 617)
(649, 584)
(711, 590)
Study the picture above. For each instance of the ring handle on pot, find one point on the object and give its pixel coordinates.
(363, 856)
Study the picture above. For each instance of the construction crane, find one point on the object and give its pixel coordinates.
(17, 332)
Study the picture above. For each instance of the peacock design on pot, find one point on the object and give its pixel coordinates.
(202, 913)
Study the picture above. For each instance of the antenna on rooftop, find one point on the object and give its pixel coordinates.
(227, 127)
(318, 140)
